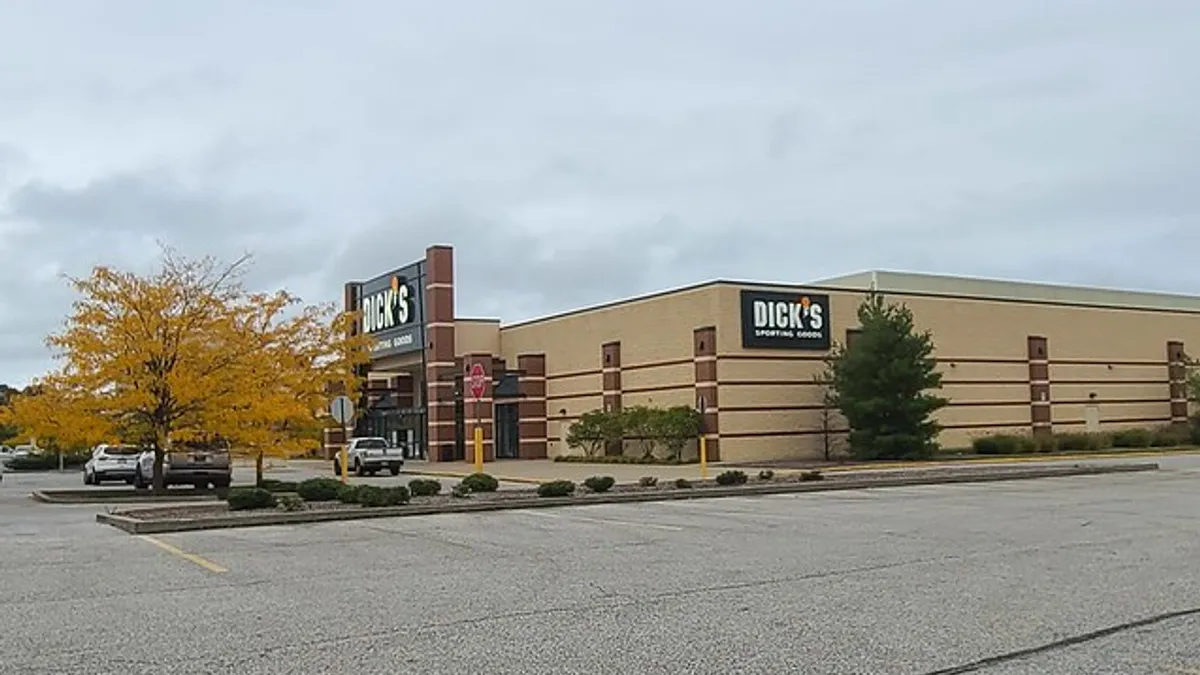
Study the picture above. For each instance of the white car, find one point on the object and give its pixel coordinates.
(111, 462)
(369, 455)
(7, 453)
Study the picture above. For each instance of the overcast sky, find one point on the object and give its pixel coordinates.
(575, 152)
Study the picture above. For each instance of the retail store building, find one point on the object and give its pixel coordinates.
(1016, 357)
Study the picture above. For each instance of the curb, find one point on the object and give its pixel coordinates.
(73, 496)
(138, 526)
(461, 475)
(966, 463)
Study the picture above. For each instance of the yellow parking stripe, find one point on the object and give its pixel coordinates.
(190, 557)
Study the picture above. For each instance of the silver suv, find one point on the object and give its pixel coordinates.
(199, 465)
(370, 455)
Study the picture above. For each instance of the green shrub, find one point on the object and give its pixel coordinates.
(600, 483)
(481, 482)
(683, 483)
(1080, 442)
(652, 430)
(556, 488)
(622, 459)
(1132, 438)
(461, 491)
(290, 502)
(246, 498)
(373, 496)
(397, 495)
(279, 485)
(766, 474)
(1044, 444)
(1171, 436)
(348, 493)
(808, 476)
(319, 489)
(1003, 444)
(731, 478)
(424, 487)
(648, 481)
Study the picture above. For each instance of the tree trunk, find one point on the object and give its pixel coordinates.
(258, 469)
(158, 482)
(160, 444)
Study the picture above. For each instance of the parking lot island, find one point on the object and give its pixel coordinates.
(218, 516)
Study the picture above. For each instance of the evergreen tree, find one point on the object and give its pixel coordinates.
(882, 384)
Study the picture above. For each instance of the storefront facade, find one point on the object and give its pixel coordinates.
(1015, 357)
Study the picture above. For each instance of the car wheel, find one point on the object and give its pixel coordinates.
(337, 468)
(139, 481)
(358, 468)
(221, 483)
(395, 470)
(87, 478)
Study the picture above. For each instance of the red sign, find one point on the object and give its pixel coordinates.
(477, 380)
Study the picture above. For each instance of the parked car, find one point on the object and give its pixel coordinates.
(370, 455)
(7, 453)
(200, 465)
(111, 462)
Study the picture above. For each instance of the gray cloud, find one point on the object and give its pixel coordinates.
(574, 153)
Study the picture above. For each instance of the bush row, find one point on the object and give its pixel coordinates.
(652, 431)
(622, 459)
(292, 496)
(1017, 444)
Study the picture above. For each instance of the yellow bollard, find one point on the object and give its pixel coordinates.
(478, 449)
(703, 458)
(345, 471)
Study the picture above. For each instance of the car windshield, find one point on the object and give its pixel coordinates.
(122, 450)
(372, 443)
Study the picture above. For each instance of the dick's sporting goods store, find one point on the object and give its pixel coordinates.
(1016, 357)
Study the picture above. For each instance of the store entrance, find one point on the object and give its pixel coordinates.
(508, 436)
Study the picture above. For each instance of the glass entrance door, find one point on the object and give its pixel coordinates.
(508, 431)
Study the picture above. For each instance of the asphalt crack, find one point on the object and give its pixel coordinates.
(1072, 641)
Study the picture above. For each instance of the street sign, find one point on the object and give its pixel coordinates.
(477, 380)
(342, 409)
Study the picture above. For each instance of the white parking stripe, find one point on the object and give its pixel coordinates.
(603, 521)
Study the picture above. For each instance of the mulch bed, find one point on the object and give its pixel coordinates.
(582, 495)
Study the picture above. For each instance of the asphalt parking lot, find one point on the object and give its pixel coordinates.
(1047, 576)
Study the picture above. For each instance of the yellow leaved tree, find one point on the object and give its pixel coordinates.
(187, 354)
(55, 417)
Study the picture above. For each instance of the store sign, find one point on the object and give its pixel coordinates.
(774, 320)
(393, 310)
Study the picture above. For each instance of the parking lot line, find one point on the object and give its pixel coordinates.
(190, 557)
(603, 521)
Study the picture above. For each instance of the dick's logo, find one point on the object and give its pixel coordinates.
(389, 308)
(772, 320)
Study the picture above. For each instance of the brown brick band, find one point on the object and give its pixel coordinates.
(439, 352)
(704, 358)
(532, 408)
(1177, 382)
(1038, 349)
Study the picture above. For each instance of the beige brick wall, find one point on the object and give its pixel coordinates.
(769, 405)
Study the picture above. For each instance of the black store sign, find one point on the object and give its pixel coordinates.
(773, 320)
(393, 310)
